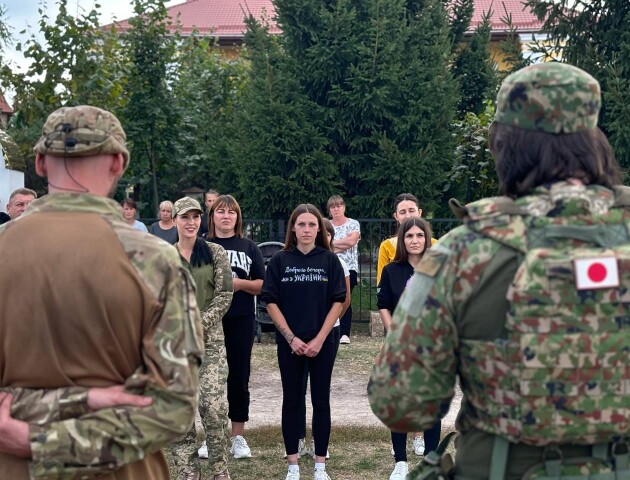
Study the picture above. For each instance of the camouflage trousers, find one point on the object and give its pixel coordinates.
(213, 412)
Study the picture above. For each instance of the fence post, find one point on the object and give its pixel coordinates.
(281, 232)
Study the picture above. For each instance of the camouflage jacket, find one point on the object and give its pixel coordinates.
(144, 331)
(459, 297)
(214, 291)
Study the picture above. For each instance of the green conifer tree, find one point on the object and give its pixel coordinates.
(475, 70)
(377, 75)
(594, 35)
(278, 151)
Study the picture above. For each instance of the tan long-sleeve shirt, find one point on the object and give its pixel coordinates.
(88, 301)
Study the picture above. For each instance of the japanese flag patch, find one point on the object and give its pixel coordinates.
(593, 273)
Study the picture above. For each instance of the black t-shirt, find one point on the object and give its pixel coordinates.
(304, 287)
(394, 279)
(247, 263)
(203, 228)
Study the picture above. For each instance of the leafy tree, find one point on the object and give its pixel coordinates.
(593, 35)
(150, 117)
(278, 151)
(5, 31)
(475, 69)
(208, 90)
(77, 63)
(473, 176)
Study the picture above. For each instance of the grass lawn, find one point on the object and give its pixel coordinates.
(358, 452)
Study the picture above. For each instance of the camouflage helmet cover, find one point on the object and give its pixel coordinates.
(184, 205)
(82, 131)
(549, 97)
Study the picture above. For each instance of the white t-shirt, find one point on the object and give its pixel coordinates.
(346, 273)
(351, 255)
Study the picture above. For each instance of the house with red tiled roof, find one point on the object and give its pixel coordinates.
(525, 23)
(223, 19)
(6, 112)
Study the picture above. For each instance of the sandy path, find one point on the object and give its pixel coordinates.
(349, 402)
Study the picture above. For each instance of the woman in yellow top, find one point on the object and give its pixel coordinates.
(405, 206)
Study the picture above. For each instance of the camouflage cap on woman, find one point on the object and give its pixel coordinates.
(549, 97)
(184, 205)
(82, 131)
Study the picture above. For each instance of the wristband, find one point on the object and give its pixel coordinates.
(290, 340)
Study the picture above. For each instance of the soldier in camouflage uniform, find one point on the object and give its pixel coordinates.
(210, 267)
(93, 312)
(527, 302)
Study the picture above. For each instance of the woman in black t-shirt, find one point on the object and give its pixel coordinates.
(248, 271)
(414, 238)
(304, 290)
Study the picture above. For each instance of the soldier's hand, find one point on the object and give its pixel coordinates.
(13, 433)
(107, 397)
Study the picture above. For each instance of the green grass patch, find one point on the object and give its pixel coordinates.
(356, 452)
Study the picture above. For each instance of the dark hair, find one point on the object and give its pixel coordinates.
(525, 159)
(130, 202)
(229, 202)
(405, 197)
(401, 252)
(330, 229)
(201, 253)
(291, 240)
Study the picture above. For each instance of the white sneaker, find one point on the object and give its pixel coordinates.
(240, 449)
(302, 450)
(400, 471)
(203, 450)
(292, 475)
(312, 452)
(321, 475)
(345, 339)
(418, 446)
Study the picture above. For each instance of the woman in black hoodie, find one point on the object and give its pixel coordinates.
(304, 289)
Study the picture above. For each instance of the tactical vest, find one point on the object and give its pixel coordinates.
(562, 372)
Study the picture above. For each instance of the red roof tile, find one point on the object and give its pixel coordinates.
(523, 20)
(4, 106)
(220, 18)
(224, 18)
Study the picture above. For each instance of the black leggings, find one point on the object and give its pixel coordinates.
(291, 372)
(431, 441)
(336, 336)
(239, 341)
(346, 320)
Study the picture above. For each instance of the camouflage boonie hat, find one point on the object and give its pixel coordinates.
(549, 97)
(184, 205)
(82, 131)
